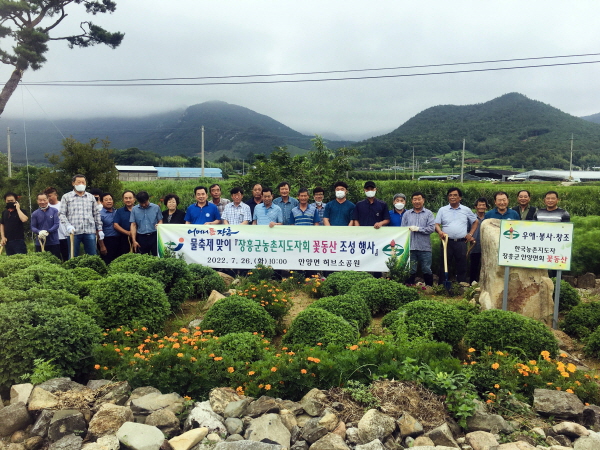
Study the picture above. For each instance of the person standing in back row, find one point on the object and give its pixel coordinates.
(121, 222)
(552, 213)
(285, 202)
(371, 212)
(52, 194)
(525, 210)
(338, 212)
(145, 216)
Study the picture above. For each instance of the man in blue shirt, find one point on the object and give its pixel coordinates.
(202, 212)
(420, 222)
(371, 212)
(45, 223)
(304, 214)
(455, 220)
(122, 224)
(318, 195)
(285, 202)
(145, 216)
(502, 211)
(338, 212)
(109, 246)
(267, 213)
(398, 211)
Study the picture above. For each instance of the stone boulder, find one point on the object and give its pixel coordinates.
(165, 420)
(65, 422)
(147, 404)
(69, 442)
(13, 417)
(219, 398)
(375, 425)
(20, 393)
(264, 405)
(188, 439)
(586, 281)
(560, 404)
(108, 420)
(442, 436)
(268, 426)
(202, 415)
(63, 384)
(330, 442)
(137, 436)
(481, 440)
(313, 402)
(42, 399)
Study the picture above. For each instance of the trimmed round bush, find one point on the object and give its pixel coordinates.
(569, 297)
(126, 299)
(443, 322)
(351, 307)
(582, 320)
(45, 276)
(59, 298)
(10, 264)
(315, 325)
(130, 263)
(205, 280)
(32, 330)
(507, 330)
(236, 314)
(243, 346)
(339, 283)
(390, 319)
(93, 262)
(383, 295)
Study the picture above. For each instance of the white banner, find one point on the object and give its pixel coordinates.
(537, 245)
(286, 247)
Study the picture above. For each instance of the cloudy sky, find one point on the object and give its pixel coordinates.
(199, 38)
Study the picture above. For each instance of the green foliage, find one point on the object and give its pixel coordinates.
(93, 262)
(582, 320)
(65, 336)
(397, 271)
(569, 296)
(339, 283)
(586, 237)
(383, 295)
(47, 276)
(131, 263)
(390, 319)
(592, 343)
(244, 346)
(128, 298)
(42, 371)
(440, 321)
(10, 264)
(351, 307)
(361, 393)
(315, 326)
(270, 297)
(260, 273)
(507, 330)
(205, 280)
(59, 297)
(236, 314)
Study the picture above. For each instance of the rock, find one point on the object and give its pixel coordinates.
(313, 402)
(288, 419)
(302, 419)
(296, 434)
(213, 438)
(115, 393)
(268, 426)
(220, 397)
(373, 445)
(562, 440)
(61, 385)
(65, 422)
(591, 417)
(234, 438)
(41, 399)
(294, 407)
(559, 447)
(539, 431)
(493, 423)
(423, 441)
(481, 440)
(571, 280)
(40, 426)
(329, 420)
(228, 279)
(246, 445)
(188, 439)
(165, 420)
(20, 393)
(264, 405)
(586, 281)
(375, 425)
(147, 404)
(13, 417)
(559, 404)
(141, 392)
(312, 431)
(529, 290)
(194, 323)
(234, 425)
(442, 435)
(300, 445)
(515, 446)
(202, 415)
(340, 430)
(591, 442)
(97, 384)
(570, 429)
(18, 437)
(236, 408)
(138, 436)
(352, 436)
(108, 442)
(69, 442)
(108, 420)
(409, 426)
(330, 442)
(33, 443)
(213, 298)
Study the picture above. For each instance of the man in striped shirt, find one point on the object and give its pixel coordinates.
(421, 224)
(304, 214)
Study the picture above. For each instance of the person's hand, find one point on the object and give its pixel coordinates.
(101, 235)
(271, 224)
(377, 225)
(17, 206)
(43, 233)
(3, 241)
(70, 229)
(469, 238)
(414, 228)
(136, 245)
(442, 235)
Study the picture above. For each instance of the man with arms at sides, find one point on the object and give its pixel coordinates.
(145, 216)
(398, 211)
(80, 213)
(371, 212)
(237, 212)
(285, 202)
(217, 200)
(525, 210)
(256, 198)
(420, 222)
(173, 215)
(52, 194)
(338, 212)
(551, 213)
(502, 211)
(45, 223)
(122, 224)
(202, 212)
(481, 207)
(304, 214)
(110, 245)
(318, 195)
(458, 223)
(267, 213)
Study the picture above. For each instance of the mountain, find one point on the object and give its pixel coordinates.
(512, 128)
(593, 118)
(230, 130)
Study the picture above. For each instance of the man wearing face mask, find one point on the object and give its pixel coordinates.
(371, 212)
(79, 212)
(398, 211)
(45, 223)
(11, 226)
(338, 212)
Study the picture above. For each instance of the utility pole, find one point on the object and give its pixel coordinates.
(413, 175)
(243, 160)
(202, 152)
(395, 169)
(570, 163)
(8, 152)
(462, 165)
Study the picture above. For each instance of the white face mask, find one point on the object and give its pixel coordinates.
(340, 194)
(319, 203)
(370, 194)
(399, 206)
(80, 187)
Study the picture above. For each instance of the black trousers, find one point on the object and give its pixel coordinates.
(147, 243)
(54, 249)
(475, 266)
(457, 259)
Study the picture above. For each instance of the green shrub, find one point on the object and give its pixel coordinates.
(469, 309)
(128, 298)
(569, 296)
(93, 262)
(506, 330)
(46, 276)
(582, 320)
(383, 295)
(243, 346)
(351, 307)
(59, 297)
(10, 264)
(270, 297)
(339, 283)
(592, 344)
(236, 314)
(130, 263)
(260, 273)
(316, 326)
(205, 280)
(86, 278)
(10, 295)
(32, 330)
(390, 319)
(440, 321)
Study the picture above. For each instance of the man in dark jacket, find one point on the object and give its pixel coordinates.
(525, 210)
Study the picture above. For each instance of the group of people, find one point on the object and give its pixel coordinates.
(89, 218)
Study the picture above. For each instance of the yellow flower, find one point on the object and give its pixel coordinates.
(230, 369)
(273, 369)
(268, 387)
(176, 345)
(471, 350)
(97, 366)
(571, 367)
(180, 355)
(545, 354)
(353, 347)
(569, 391)
(565, 374)
(497, 386)
(563, 355)
(533, 362)
(218, 358)
(251, 372)
(495, 366)
(302, 371)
